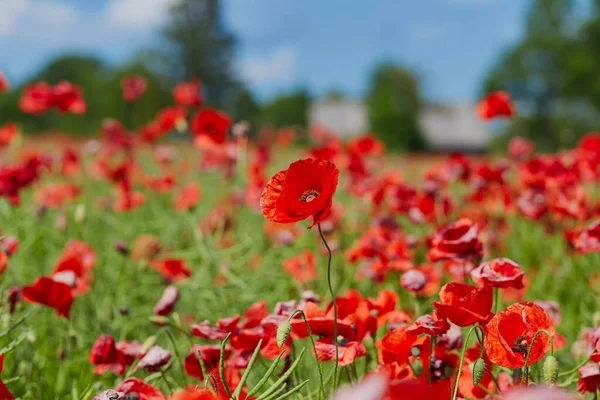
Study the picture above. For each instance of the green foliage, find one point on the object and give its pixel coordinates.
(287, 110)
(552, 75)
(394, 104)
(246, 108)
(102, 91)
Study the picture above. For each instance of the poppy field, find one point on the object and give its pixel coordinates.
(188, 259)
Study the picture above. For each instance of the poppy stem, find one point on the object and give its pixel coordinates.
(462, 359)
(496, 290)
(312, 341)
(164, 377)
(525, 375)
(335, 309)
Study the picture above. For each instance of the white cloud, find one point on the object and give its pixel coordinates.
(137, 14)
(12, 10)
(23, 14)
(278, 67)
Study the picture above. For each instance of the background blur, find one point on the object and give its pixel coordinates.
(411, 72)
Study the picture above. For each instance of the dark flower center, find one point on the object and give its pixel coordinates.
(520, 345)
(309, 196)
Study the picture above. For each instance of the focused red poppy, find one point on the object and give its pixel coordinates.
(50, 293)
(499, 272)
(4, 84)
(494, 105)
(210, 124)
(589, 378)
(304, 190)
(173, 269)
(188, 93)
(465, 305)
(396, 346)
(133, 87)
(460, 239)
(510, 332)
(105, 356)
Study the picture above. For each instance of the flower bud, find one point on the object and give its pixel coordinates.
(550, 369)
(479, 369)
(283, 332)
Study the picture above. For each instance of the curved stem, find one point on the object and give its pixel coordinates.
(335, 309)
(525, 375)
(312, 341)
(462, 359)
(575, 369)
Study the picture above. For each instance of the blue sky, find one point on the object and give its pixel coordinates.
(283, 44)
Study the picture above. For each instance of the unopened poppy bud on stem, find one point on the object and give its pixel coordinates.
(551, 369)
(479, 369)
(283, 332)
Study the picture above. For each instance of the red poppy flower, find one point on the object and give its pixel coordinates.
(188, 93)
(430, 325)
(413, 280)
(133, 87)
(154, 359)
(533, 203)
(144, 391)
(348, 352)
(589, 378)
(224, 326)
(68, 98)
(50, 293)
(586, 240)
(105, 356)
(210, 124)
(305, 189)
(36, 99)
(457, 240)
(302, 267)
(170, 118)
(520, 148)
(396, 346)
(499, 272)
(188, 197)
(5, 394)
(128, 200)
(465, 305)
(210, 355)
(321, 326)
(173, 269)
(7, 133)
(497, 104)
(510, 332)
(167, 301)
(366, 145)
(4, 84)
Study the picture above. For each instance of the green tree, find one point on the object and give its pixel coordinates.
(394, 103)
(246, 108)
(551, 74)
(201, 47)
(289, 109)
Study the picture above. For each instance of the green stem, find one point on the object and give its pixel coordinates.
(164, 377)
(312, 342)
(575, 369)
(525, 375)
(462, 359)
(335, 309)
(496, 291)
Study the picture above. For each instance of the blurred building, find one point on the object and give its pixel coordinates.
(445, 127)
(345, 117)
(454, 127)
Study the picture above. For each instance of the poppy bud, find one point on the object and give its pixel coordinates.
(148, 343)
(159, 320)
(79, 213)
(283, 332)
(478, 371)
(550, 369)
